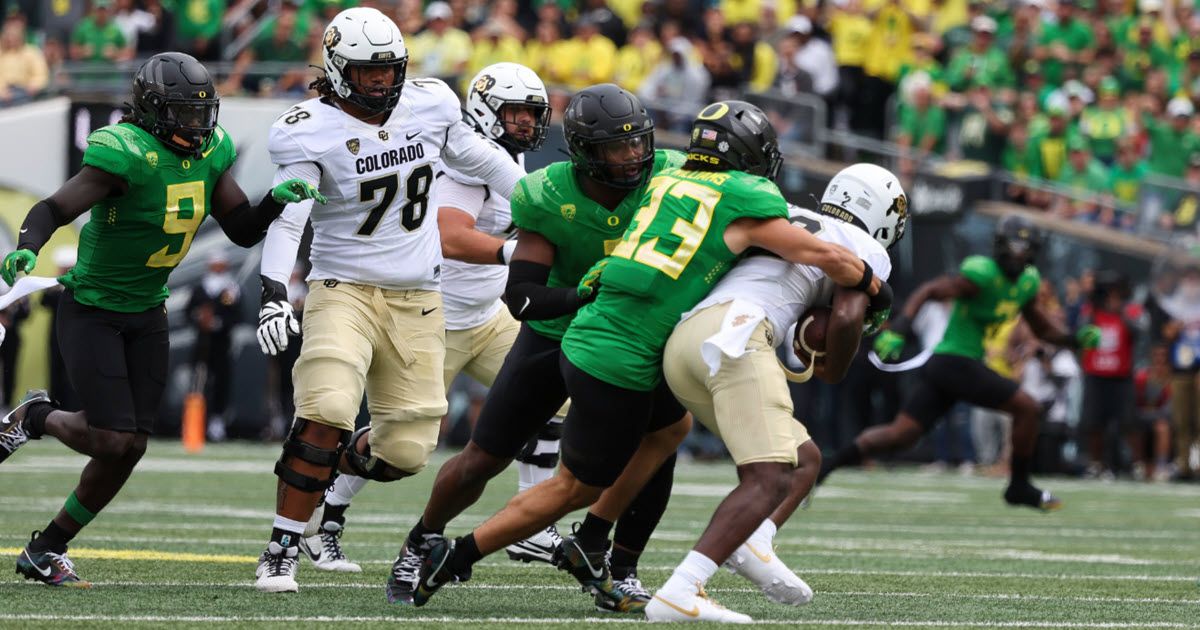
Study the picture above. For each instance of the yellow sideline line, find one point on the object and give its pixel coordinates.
(132, 554)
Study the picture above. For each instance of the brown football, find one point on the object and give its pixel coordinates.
(811, 326)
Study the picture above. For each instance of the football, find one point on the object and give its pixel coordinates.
(810, 333)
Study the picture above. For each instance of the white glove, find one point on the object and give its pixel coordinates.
(275, 323)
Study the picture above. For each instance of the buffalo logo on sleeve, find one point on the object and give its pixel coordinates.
(353, 145)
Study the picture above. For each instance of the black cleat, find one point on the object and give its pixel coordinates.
(48, 567)
(589, 567)
(402, 583)
(12, 426)
(1028, 495)
(436, 570)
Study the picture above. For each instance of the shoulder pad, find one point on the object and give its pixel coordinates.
(980, 270)
(669, 158)
(117, 149)
(431, 101)
(303, 133)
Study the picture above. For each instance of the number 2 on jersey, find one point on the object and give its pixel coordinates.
(412, 213)
(173, 223)
(691, 232)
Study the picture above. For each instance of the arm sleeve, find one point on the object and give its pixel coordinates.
(470, 155)
(451, 193)
(283, 237)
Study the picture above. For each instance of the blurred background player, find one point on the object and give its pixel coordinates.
(214, 309)
(373, 316)
(722, 202)
(569, 215)
(720, 362)
(149, 182)
(987, 292)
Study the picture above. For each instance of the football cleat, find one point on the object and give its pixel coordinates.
(691, 606)
(402, 583)
(636, 596)
(539, 547)
(590, 569)
(756, 561)
(48, 567)
(325, 550)
(1026, 494)
(276, 570)
(12, 429)
(435, 570)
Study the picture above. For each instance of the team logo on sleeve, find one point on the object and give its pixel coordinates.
(383, 135)
(152, 158)
(568, 211)
(352, 144)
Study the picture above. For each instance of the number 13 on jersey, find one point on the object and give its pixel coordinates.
(691, 233)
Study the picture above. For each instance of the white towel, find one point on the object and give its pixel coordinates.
(740, 321)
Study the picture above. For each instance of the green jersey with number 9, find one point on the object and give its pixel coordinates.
(999, 300)
(670, 257)
(131, 243)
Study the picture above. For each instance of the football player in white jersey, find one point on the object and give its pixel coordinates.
(508, 106)
(373, 317)
(720, 363)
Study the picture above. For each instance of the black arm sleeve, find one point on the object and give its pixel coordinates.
(246, 225)
(528, 297)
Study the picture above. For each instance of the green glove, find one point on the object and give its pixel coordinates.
(590, 283)
(1088, 337)
(889, 344)
(876, 320)
(20, 260)
(294, 190)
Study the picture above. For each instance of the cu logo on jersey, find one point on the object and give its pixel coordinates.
(332, 37)
(383, 135)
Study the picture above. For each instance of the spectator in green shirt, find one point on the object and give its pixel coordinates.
(280, 42)
(922, 121)
(1064, 43)
(1125, 177)
(1085, 179)
(1142, 54)
(1186, 209)
(97, 37)
(983, 129)
(1048, 147)
(982, 63)
(1171, 138)
(198, 26)
(1105, 122)
(1016, 161)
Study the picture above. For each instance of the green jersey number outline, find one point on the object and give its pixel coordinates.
(175, 224)
(691, 232)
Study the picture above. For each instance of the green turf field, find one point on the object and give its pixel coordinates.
(886, 548)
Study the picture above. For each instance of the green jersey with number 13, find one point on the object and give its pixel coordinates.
(670, 257)
(999, 300)
(131, 243)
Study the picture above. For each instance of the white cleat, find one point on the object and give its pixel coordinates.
(537, 548)
(692, 605)
(325, 550)
(276, 570)
(756, 561)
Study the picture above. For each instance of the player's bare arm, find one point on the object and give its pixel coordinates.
(947, 287)
(842, 334)
(246, 225)
(461, 241)
(797, 245)
(526, 294)
(1052, 331)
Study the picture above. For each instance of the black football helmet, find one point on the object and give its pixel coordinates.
(1016, 244)
(735, 136)
(610, 136)
(175, 100)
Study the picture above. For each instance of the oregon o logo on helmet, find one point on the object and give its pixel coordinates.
(716, 111)
(203, 94)
(626, 127)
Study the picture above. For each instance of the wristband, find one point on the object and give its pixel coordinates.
(882, 300)
(864, 285)
(504, 253)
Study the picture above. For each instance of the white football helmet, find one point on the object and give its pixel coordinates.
(503, 84)
(870, 197)
(364, 37)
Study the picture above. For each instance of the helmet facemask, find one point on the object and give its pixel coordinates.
(520, 136)
(622, 162)
(374, 98)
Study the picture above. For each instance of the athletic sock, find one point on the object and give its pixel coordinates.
(334, 514)
(766, 531)
(529, 475)
(466, 554)
(593, 533)
(419, 532)
(1020, 470)
(286, 532)
(35, 419)
(53, 538)
(695, 570)
(343, 490)
(623, 562)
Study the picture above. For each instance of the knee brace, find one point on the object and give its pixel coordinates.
(399, 448)
(367, 466)
(550, 432)
(295, 447)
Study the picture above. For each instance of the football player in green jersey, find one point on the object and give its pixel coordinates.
(149, 182)
(569, 215)
(693, 223)
(987, 292)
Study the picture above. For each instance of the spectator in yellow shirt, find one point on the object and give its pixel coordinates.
(492, 47)
(850, 30)
(637, 58)
(588, 58)
(440, 50)
(542, 50)
(23, 70)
